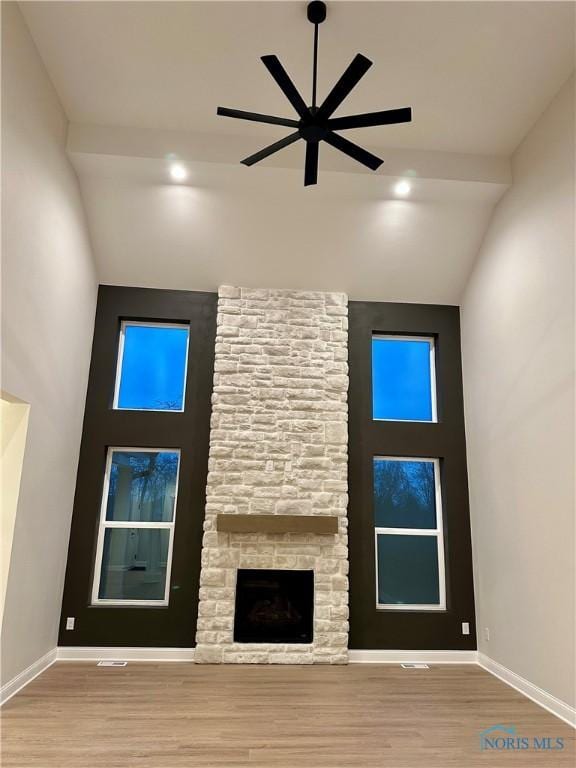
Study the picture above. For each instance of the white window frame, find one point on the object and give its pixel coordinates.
(433, 395)
(104, 524)
(120, 360)
(438, 532)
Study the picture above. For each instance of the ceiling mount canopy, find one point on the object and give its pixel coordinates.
(315, 123)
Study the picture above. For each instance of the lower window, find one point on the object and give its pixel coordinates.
(409, 541)
(136, 533)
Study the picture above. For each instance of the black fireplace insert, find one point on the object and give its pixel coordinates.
(274, 606)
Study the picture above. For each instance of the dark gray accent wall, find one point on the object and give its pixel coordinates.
(175, 624)
(371, 628)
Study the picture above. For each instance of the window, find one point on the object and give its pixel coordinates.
(135, 539)
(408, 534)
(152, 363)
(403, 378)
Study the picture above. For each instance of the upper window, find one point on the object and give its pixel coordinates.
(403, 378)
(152, 361)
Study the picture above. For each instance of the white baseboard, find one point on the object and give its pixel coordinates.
(551, 703)
(26, 676)
(80, 653)
(408, 657)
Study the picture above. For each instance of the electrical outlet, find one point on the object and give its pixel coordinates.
(465, 628)
(70, 621)
(487, 634)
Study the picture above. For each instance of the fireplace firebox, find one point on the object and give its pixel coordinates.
(274, 606)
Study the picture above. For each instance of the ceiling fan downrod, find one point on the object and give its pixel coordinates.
(316, 13)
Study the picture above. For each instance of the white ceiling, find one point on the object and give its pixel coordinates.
(477, 74)
(231, 225)
(142, 80)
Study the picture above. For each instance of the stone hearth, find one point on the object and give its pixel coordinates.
(278, 446)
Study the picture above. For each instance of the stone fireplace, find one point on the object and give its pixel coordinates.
(276, 495)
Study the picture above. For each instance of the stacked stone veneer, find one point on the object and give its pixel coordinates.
(278, 445)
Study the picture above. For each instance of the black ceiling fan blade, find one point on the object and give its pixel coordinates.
(269, 150)
(351, 77)
(273, 65)
(256, 117)
(387, 117)
(353, 151)
(311, 165)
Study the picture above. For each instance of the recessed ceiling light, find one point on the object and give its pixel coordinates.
(402, 188)
(178, 172)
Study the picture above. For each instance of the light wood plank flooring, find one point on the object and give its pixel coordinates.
(177, 715)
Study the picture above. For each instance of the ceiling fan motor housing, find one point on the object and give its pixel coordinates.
(311, 129)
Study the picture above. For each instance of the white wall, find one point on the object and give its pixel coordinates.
(48, 303)
(518, 344)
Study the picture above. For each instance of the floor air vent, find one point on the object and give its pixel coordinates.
(112, 664)
(414, 666)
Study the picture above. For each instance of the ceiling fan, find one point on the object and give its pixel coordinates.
(315, 123)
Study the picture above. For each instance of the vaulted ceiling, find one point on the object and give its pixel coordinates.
(140, 83)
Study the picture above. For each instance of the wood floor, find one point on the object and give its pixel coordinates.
(177, 715)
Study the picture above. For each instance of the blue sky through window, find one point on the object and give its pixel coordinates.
(401, 379)
(153, 368)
